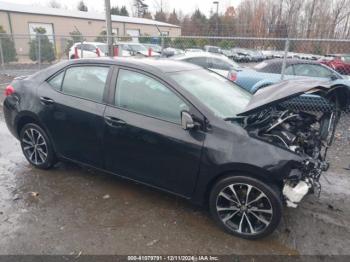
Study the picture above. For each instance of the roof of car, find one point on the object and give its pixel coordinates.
(279, 61)
(199, 54)
(147, 64)
(90, 43)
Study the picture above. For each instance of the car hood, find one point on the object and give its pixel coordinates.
(288, 89)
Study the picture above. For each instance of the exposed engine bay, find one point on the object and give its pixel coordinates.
(304, 125)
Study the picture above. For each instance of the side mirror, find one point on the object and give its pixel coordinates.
(187, 121)
(334, 77)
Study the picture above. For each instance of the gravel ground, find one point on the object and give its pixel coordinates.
(75, 210)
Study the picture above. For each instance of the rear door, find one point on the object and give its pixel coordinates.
(143, 137)
(73, 107)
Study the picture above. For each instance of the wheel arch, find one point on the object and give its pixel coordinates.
(239, 170)
(27, 117)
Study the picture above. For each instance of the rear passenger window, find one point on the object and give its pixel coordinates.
(56, 81)
(86, 82)
(200, 61)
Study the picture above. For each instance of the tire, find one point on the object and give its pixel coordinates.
(252, 219)
(37, 147)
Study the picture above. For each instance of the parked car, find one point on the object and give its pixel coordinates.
(257, 56)
(339, 62)
(212, 49)
(269, 72)
(191, 50)
(136, 49)
(267, 53)
(215, 62)
(88, 50)
(241, 55)
(179, 128)
(170, 51)
(154, 47)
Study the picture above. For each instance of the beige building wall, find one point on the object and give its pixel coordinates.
(63, 25)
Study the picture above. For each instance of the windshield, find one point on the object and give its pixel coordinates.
(346, 59)
(221, 96)
(137, 48)
(103, 48)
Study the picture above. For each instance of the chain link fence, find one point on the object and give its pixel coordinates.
(25, 54)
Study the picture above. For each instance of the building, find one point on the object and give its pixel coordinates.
(21, 20)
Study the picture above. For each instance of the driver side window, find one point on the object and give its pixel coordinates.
(142, 94)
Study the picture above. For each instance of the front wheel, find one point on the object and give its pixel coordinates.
(37, 147)
(245, 207)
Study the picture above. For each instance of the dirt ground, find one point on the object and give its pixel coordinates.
(75, 210)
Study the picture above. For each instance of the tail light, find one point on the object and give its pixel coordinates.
(232, 76)
(9, 90)
(98, 52)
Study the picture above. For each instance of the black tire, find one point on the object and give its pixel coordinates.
(249, 220)
(43, 155)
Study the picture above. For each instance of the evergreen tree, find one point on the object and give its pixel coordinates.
(8, 47)
(160, 16)
(173, 18)
(46, 48)
(141, 8)
(76, 37)
(115, 10)
(124, 11)
(82, 6)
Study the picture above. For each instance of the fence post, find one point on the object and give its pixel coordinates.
(162, 43)
(39, 50)
(82, 49)
(2, 55)
(286, 49)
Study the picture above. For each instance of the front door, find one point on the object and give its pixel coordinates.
(143, 138)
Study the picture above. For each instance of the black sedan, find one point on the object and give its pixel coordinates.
(179, 128)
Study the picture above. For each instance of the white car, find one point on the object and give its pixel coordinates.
(135, 49)
(214, 62)
(88, 50)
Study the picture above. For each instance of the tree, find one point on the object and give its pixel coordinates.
(76, 37)
(122, 11)
(141, 8)
(8, 47)
(46, 48)
(103, 37)
(115, 10)
(173, 18)
(54, 4)
(82, 6)
(147, 15)
(160, 16)
(199, 23)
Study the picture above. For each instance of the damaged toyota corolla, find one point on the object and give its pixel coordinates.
(184, 130)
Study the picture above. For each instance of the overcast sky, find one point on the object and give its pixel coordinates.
(187, 6)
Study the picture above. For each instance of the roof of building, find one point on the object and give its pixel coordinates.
(41, 10)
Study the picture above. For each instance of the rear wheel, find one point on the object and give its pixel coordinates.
(245, 207)
(37, 147)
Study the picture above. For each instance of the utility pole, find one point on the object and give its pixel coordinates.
(109, 27)
(217, 17)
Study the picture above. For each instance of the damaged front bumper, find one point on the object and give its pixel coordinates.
(302, 182)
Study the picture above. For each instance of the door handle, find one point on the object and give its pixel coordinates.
(114, 122)
(46, 100)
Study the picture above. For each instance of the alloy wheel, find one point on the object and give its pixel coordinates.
(244, 209)
(34, 146)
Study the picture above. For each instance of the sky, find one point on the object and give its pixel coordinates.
(186, 6)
